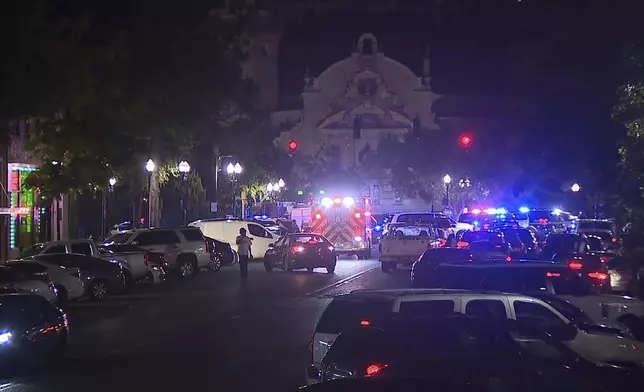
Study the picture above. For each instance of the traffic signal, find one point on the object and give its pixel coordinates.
(292, 146)
(465, 141)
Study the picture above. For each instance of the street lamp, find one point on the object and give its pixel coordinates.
(269, 187)
(575, 187)
(112, 182)
(184, 169)
(233, 171)
(447, 179)
(281, 183)
(150, 166)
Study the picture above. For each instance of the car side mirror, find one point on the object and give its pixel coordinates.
(564, 333)
(313, 373)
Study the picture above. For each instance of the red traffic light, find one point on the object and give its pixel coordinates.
(465, 140)
(292, 145)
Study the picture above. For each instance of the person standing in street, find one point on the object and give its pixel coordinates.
(244, 251)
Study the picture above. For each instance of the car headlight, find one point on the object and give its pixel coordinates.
(357, 238)
(5, 337)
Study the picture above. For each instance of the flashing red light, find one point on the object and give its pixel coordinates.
(365, 323)
(465, 140)
(292, 145)
(553, 274)
(508, 259)
(575, 265)
(374, 369)
(318, 216)
(358, 215)
(598, 275)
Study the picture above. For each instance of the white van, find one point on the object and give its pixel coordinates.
(227, 230)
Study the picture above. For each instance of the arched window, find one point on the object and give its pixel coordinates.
(367, 46)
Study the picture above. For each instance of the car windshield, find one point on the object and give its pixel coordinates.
(32, 251)
(120, 238)
(591, 225)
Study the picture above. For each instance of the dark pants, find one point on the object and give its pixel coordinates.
(243, 266)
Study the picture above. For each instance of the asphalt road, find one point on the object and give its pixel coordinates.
(209, 332)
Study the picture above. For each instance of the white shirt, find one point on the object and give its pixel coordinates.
(243, 245)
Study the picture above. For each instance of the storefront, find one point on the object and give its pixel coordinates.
(24, 213)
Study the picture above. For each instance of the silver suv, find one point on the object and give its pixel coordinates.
(184, 248)
(364, 307)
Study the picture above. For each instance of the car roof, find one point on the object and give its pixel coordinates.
(515, 264)
(390, 294)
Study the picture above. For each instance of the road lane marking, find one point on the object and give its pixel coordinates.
(339, 282)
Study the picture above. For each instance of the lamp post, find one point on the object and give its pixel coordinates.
(575, 187)
(233, 171)
(184, 169)
(150, 166)
(447, 179)
(217, 169)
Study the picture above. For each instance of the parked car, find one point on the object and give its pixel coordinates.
(100, 277)
(476, 349)
(133, 258)
(32, 329)
(228, 254)
(186, 249)
(616, 311)
(66, 281)
(37, 283)
(228, 230)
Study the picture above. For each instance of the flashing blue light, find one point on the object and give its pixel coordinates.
(385, 220)
(475, 223)
(264, 216)
(501, 211)
(377, 228)
(525, 210)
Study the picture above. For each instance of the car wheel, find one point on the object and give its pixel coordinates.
(331, 268)
(57, 352)
(215, 262)
(98, 290)
(187, 268)
(386, 266)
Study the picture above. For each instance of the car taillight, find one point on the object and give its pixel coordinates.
(508, 259)
(297, 249)
(462, 244)
(553, 274)
(374, 369)
(365, 323)
(613, 239)
(598, 275)
(575, 265)
(146, 259)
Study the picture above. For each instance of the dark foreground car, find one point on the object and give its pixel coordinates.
(491, 355)
(32, 330)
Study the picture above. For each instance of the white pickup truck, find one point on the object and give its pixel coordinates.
(131, 257)
(404, 244)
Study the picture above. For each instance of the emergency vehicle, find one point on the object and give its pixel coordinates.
(345, 222)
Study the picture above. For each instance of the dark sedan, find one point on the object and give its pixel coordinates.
(301, 250)
(31, 329)
(100, 277)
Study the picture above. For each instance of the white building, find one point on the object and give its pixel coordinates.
(384, 95)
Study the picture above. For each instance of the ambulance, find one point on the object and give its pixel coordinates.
(346, 222)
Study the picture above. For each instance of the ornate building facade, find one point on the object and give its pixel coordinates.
(354, 103)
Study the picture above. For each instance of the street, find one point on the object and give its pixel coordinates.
(210, 332)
